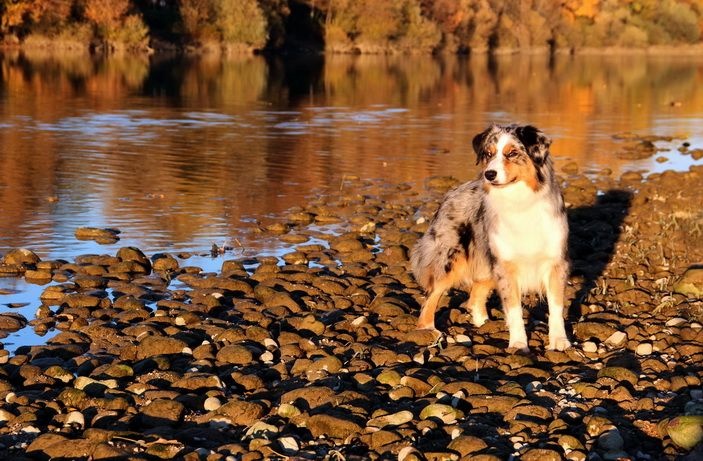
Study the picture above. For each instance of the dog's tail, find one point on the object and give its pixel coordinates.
(423, 262)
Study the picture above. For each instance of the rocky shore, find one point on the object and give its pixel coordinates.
(314, 355)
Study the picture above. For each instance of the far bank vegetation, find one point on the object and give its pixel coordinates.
(350, 26)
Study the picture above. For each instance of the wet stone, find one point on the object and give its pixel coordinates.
(20, 257)
(12, 321)
(105, 235)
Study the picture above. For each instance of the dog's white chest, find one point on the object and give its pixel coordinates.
(527, 228)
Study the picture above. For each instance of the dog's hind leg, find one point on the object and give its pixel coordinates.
(429, 308)
(556, 279)
(480, 291)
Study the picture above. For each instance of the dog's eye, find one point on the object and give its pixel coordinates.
(512, 154)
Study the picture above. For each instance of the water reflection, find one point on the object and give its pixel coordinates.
(181, 153)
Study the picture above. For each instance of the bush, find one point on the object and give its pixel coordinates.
(241, 22)
(420, 33)
(197, 21)
(679, 21)
(132, 33)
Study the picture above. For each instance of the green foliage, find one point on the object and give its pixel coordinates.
(679, 21)
(241, 22)
(132, 33)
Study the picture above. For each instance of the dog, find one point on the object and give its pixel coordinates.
(507, 230)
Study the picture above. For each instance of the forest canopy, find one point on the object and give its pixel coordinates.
(350, 26)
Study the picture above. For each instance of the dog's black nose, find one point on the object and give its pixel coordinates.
(490, 174)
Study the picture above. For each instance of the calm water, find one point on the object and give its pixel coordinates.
(180, 154)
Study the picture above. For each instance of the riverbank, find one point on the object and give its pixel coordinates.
(314, 354)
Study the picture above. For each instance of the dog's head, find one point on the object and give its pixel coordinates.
(512, 153)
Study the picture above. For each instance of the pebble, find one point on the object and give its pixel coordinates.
(211, 404)
(644, 349)
(617, 339)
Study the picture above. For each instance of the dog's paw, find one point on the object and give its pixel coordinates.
(519, 346)
(559, 344)
(478, 320)
(426, 326)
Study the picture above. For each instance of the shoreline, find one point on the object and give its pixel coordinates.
(261, 359)
(165, 48)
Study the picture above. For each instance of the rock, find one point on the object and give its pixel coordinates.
(75, 418)
(644, 349)
(164, 450)
(331, 426)
(240, 412)
(500, 404)
(136, 255)
(617, 339)
(288, 445)
(541, 454)
(611, 440)
(445, 413)
(212, 404)
(97, 234)
(12, 321)
(158, 345)
(20, 257)
(309, 397)
(685, 431)
(690, 283)
(590, 347)
(587, 330)
(389, 376)
(286, 410)
(235, 354)
(56, 446)
(163, 262)
(467, 444)
(619, 374)
(394, 419)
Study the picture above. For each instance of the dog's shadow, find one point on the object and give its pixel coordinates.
(594, 231)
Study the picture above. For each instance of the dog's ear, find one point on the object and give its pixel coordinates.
(479, 144)
(536, 142)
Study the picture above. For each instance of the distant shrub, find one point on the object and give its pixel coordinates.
(72, 37)
(114, 25)
(241, 22)
(197, 20)
(419, 33)
(132, 33)
(633, 37)
(679, 21)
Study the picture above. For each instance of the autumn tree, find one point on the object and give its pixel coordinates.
(114, 24)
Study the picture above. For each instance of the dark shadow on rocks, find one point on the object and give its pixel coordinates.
(593, 233)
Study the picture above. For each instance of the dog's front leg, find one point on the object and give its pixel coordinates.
(555, 298)
(512, 306)
(480, 291)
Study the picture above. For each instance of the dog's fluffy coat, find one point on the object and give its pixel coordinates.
(506, 230)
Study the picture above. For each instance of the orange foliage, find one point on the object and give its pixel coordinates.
(106, 14)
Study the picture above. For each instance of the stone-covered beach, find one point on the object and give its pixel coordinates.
(314, 355)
